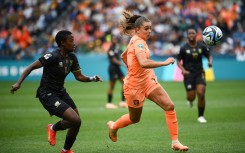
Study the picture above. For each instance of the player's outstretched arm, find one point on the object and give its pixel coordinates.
(35, 65)
(82, 78)
(147, 63)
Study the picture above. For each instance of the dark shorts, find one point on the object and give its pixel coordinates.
(191, 80)
(115, 73)
(56, 103)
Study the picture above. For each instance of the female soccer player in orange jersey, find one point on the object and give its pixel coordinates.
(141, 81)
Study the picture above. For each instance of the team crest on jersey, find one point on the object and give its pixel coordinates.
(188, 51)
(60, 64)
(136, 102)
(199, 50)
(47, 56)
(141, 46)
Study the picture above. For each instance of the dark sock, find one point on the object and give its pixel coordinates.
(57, 126)
(109, 98)
(201, 111)
(123, 98)
(69, 142)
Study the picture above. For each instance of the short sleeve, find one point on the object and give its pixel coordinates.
(75, 65)
(180, 56)
(139, 46)
(47, 59)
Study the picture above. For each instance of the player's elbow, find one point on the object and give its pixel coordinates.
(143, 65)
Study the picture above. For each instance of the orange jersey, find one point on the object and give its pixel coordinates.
(137, 77)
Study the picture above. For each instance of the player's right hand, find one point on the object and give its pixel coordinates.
(184, 72)
(170, 60)
(14, 88)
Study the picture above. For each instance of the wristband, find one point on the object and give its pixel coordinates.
(92, 79)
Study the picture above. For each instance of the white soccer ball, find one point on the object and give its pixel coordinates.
(212, 35)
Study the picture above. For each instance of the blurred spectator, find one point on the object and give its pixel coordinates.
(92, 22)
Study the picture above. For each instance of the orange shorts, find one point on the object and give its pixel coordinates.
(135, 97)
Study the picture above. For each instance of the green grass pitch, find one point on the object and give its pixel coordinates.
(23, 121)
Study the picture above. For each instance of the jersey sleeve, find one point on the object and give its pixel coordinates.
(139, 46)
(180, 56)
(75, 64)
(47, 59)
(206, 51)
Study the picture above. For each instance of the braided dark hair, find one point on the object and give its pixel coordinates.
(61, 36)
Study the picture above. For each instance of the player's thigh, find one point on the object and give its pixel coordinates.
(53, 104)
(71, 115)
(200, 89)
(191, 94)
(161, 98)
(134, 97)
(113, 73)
(190, 82)
(135, 114)
(68, 100)
(120, 73)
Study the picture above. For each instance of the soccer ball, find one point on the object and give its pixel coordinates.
(212, 35)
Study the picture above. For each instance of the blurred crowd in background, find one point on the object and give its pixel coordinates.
(28, 27)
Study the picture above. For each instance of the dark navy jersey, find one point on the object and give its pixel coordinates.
(114, 51)
(55, 69)
(192, 57)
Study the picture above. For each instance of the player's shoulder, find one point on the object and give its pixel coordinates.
(184, 46)
(136, 39)
(51, 54)
(201, 44)
(72, 55)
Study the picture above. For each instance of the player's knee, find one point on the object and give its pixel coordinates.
(191, 98)
(76, 122)
(169, 107)
(135, 120)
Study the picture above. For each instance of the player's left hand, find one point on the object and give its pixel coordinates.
(97, 78)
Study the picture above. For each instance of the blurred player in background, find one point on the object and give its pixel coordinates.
(115, 73)
(192, 69)
(141, 81)
(51, 92)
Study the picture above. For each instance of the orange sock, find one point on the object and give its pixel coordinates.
(172, 123)
(123, 121)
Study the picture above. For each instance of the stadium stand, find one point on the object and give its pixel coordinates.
(28, 27)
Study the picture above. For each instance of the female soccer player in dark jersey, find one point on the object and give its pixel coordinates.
(192, 69)
(115, 73)
(51, 92)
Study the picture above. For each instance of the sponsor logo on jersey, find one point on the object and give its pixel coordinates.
(188, 51)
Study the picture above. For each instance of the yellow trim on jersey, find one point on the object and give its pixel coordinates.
(77, 70)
